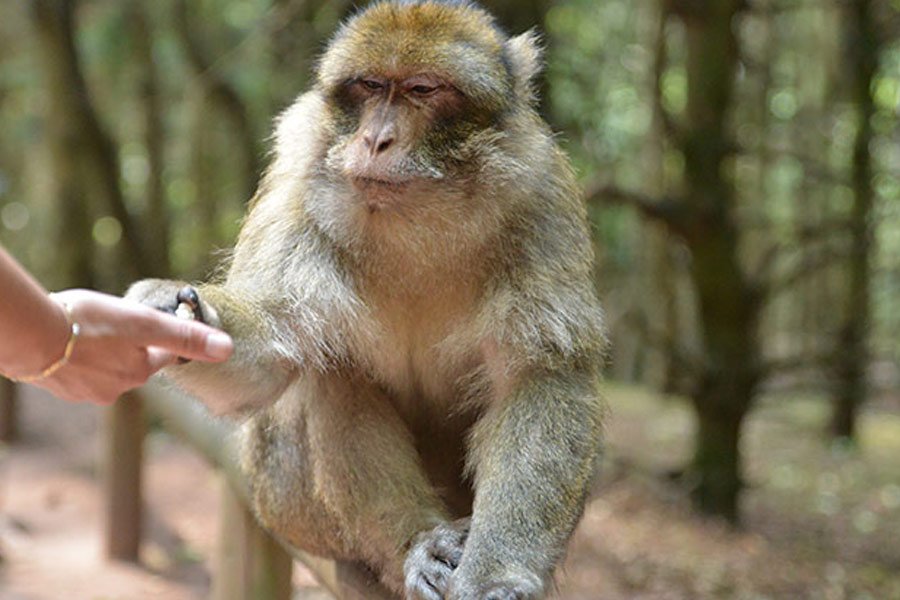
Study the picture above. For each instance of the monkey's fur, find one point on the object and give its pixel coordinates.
(417, 335)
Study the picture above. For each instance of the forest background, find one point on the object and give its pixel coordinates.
(741, 164)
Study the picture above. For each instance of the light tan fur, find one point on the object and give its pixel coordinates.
(417, 335)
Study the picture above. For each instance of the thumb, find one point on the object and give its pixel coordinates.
(183, 338)
(157, 358)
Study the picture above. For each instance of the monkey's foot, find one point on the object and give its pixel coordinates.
(506, 592)
(433, 557)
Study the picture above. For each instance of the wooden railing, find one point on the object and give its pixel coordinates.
(250, 564)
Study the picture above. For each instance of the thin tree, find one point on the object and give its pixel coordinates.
(851, 360)
(150, 99)
(704, 217)
(85, 162)
(731, 295)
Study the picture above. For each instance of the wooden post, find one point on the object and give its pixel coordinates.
(250, 565)
(9, 413)
(215, 439)
(123, 455)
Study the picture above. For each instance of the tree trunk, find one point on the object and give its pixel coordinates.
(724, 397)
(852, 356)
(221, 95)
(77, 132)
(86, 163)
(728, 308)
(721, 404)
(150, 95)
(717, 461)
(75, 265)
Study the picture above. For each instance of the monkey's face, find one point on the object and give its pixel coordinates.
(414, 91)
(400, 134)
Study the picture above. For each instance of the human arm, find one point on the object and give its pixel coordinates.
(119, 344)
(260, 368)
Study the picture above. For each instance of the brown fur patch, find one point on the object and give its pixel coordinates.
(463, 46)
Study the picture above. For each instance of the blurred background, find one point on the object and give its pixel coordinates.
(741, 164)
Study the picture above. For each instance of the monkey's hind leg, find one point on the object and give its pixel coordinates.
(333, 470)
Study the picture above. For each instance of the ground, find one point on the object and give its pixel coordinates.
(820, 522)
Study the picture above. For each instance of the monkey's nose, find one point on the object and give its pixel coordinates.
(378, 142)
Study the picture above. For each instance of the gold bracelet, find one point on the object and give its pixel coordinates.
(74, 329)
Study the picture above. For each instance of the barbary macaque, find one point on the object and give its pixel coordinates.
(418, 343)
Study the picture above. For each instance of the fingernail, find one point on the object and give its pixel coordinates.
(219, 345)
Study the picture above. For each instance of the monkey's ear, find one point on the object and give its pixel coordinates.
(526, 59)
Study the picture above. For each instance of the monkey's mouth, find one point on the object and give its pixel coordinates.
(375, 183)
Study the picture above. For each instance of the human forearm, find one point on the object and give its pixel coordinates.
(118, 346)
(33, 328)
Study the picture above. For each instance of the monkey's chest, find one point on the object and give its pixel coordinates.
(420, 354)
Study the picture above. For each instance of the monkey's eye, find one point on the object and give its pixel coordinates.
(371, 84)
(423, 90)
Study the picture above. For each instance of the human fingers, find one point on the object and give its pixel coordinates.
(158, 358)
(183, 338)
(147, 327)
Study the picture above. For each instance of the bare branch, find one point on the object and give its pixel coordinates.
(668, 210)
(222, 94)
(812, 263)
(803, 235)
(769, 367)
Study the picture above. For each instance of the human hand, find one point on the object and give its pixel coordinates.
(122, 343)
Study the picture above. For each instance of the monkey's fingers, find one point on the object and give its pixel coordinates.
(189, 306)
(433, 558)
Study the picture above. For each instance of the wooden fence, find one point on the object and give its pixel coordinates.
(250, 564)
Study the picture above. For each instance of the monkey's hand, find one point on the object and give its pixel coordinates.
(509, 589)
(174, 297)
(432, 559)
(254, 375)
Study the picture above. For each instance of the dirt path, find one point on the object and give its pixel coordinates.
(638, 540)
(51, 516)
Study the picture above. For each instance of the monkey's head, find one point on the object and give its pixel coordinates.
(420, 97)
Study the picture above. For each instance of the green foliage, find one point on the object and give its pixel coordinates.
(822, 519)
(793, 121)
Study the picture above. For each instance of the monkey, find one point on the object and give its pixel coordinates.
(418, 338)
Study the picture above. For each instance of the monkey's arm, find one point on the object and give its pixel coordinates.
(533, 455)
(261, 366)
